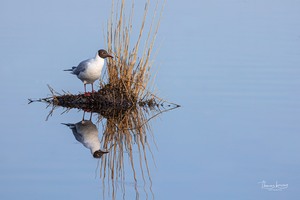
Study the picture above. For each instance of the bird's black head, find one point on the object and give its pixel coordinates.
(103, 54)
(99, 153)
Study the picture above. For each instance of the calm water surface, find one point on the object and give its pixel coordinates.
(233, 66)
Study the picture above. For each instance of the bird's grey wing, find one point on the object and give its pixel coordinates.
(78, 136)
(81, 67)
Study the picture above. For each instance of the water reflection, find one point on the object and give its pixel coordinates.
(86, 133)
(127, 134)
(124, 136)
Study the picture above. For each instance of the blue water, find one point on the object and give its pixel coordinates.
(232, 65)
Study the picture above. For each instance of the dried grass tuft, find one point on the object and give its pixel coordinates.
(127, 69)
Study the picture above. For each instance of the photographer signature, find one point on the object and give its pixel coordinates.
(273, 187)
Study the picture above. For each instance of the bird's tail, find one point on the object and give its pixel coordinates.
(70, 69)
(69, 125)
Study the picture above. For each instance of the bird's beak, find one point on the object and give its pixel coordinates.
(108, 55)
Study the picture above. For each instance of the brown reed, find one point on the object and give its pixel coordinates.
(130, 69)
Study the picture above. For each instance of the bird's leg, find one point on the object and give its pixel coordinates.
(86, 93)
(92, 87)
(91, 116)
(83, 115)
(84, 88)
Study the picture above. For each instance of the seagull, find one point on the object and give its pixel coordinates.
(86, 133)
(88, 71)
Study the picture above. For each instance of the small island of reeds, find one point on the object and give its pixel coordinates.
(128, 73)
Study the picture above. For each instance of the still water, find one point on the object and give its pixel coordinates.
(233, 67)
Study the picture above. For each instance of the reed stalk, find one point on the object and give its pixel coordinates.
(131, 67)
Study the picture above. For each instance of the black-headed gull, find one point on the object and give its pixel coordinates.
(88, 71)
(86, 133)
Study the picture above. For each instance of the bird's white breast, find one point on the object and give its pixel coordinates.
(89, 133)
(92, 71)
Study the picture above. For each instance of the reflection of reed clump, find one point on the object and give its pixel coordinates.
(126, 136)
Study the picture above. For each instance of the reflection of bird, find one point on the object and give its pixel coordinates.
(86, 133)
(88, 71)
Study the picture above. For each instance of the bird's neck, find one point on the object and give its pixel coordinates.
(97, 57)
(94, 148)
(99, 61)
